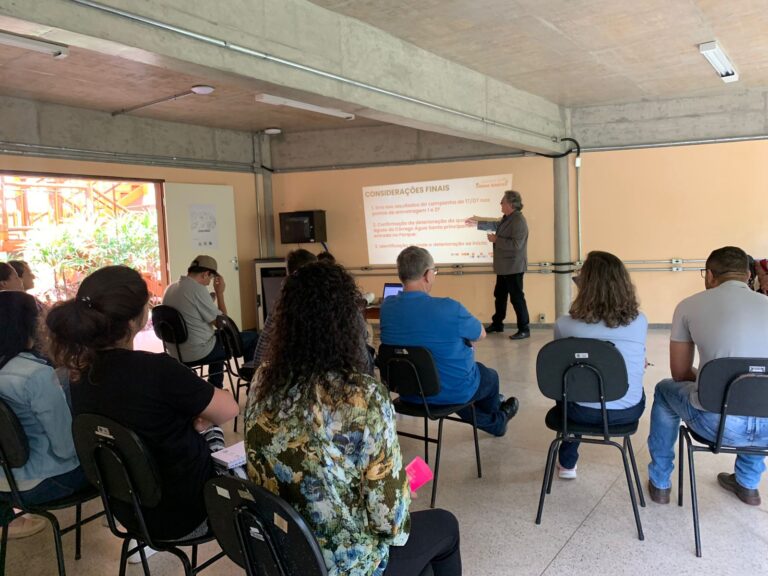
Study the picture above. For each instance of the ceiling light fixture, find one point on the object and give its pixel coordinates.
(719, 61)
(273, 131)
(280, 101)
(197, 89)
(56, 50)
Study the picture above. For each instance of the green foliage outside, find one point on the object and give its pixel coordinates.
(67, 253)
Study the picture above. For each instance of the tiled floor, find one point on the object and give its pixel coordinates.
(587, 526)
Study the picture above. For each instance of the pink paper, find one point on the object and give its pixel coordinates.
(419, 473)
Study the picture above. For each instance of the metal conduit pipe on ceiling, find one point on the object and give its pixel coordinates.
(309, 69)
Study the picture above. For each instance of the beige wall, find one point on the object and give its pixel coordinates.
(675, 203)
(340, 194)
(641, 204)
(245, 203)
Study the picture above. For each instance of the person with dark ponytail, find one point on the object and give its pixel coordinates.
(154, 395)
(28, 385)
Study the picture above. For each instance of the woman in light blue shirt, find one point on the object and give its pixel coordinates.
(30, 388)
(606, 308)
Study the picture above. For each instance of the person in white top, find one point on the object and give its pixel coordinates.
(606, 308)
(726, 320)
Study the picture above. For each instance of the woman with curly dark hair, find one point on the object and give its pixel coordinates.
(321, 434)
(606, 308)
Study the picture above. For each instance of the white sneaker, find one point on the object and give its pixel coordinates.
(135, 558)
(566, 473)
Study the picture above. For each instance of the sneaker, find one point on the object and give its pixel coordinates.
(659, 495)
(749, 496)
(135, 558)
(25, 526)
(566, 473)
(520, 335)
(491, 328)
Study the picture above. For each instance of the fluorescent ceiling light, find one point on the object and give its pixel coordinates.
(280, 101)
(55, 50)
(273, 131)
(719, 61)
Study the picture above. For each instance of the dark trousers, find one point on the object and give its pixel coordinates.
(434, 540)
(488, 414)
(216, 357)
(512, 285)
(569, 451)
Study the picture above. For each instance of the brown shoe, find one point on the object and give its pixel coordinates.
(749, 496)
(659, 495)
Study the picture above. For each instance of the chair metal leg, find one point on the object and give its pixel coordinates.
(694, 500)
(78, 529)
(477, 444)
(3, 547)
(56, 540)
(124, 556)
(559, 441)
(184, 560)
(426, 440)
(547, 473)
(437, 460)
(623, 451)
(194, 556)
(144, 563)
(628, 444)
(680, 466)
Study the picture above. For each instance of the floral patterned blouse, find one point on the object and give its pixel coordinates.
(339, 466)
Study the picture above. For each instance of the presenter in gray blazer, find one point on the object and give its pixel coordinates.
(510, 260)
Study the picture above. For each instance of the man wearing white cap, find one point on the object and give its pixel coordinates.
(191, 298)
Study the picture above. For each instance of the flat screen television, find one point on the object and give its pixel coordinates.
(302, 227)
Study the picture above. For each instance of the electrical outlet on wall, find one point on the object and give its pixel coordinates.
(542, 317)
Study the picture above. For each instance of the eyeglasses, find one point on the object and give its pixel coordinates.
(703, 272)
(434, 270)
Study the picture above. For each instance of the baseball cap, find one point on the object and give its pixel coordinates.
(204, 261)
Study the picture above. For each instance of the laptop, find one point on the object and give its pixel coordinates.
(391, 289)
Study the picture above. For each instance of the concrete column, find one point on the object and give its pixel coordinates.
(562, 235)
(264, 202)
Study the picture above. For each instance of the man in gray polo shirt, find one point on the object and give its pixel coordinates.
(191, 298)
(726, 320)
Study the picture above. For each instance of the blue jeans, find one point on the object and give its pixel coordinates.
(216, 357)
(671, 402)
(53, 488)
(569, 451)
(488, 412)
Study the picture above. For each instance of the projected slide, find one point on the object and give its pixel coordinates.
(431, 215)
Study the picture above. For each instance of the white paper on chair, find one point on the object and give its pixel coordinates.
(231, 456)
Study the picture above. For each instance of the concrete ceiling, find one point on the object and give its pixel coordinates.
(88, 79)
(583, 52)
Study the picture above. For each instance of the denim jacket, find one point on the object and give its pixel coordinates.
(31, 389)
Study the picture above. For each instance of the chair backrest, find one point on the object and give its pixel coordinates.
(259, 531)
(581, 370)
(14, 446)
(169, 324)
(735, 386)
(230, 336)
(408, 370)
(117, 462)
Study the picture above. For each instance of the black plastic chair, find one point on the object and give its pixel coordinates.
(233, 344)
(411, 371)
(14, 453)
(261, 532)
(169, 326)
(730, 387)
(585, 370)
(118, 463)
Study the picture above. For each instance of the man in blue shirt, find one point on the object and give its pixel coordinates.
(447, 329)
